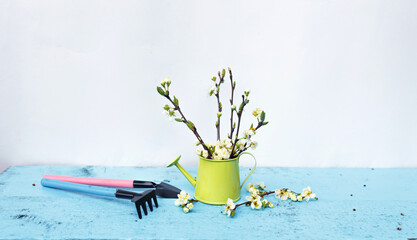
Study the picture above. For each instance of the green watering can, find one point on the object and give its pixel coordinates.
(217, 180)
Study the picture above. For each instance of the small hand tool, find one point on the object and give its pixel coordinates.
(163, 189)
(139, 199)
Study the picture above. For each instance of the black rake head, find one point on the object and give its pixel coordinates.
(141, 200)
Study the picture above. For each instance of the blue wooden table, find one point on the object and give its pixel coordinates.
(385, 203)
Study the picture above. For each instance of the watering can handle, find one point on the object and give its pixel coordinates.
(253, 169)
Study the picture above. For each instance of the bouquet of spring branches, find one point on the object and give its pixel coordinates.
(234, 144)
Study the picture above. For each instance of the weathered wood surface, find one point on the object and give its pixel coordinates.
(378, 195)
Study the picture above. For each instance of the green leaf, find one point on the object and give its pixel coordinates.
(223, 73)
(178, 119)
(264, 123)
(166, 107)
(175, 101)
(160, 91)
(263, 116)
(190, 125)
(241, 107)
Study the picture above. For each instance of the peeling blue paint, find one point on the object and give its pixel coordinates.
(379, 196)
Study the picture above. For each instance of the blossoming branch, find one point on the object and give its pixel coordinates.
(233, 145)
(257, 201)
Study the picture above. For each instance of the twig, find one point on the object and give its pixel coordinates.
(260, 124)
(239, 116)
(219, 104)
(233, 85)
(248, 202)
(189, 124)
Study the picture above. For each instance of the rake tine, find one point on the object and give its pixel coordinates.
(139, 199)
(150, 204)
(145, 210)
(154, 200)
(138, 210)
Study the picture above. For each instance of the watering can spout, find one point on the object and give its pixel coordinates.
(183, 171)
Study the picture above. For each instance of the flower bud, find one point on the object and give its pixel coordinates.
(219, 114)
(247, 91)
(233, 107)
(211, 90)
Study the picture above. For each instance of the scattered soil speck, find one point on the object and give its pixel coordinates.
(354, 209)
(33, 184)
(20, 216)
(351, 195)
(402, 214)
(364, 185)
(399, 229)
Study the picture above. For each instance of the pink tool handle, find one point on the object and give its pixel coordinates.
(94, 181)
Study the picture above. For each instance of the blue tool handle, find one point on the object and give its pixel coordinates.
(101, 191)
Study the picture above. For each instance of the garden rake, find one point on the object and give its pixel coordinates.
(163, 189)
(139, 199)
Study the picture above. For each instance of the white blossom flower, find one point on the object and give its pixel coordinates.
(233, 107)
(256, 204)
(183, 201)
(257, 112)
(283, 193)
(254, 145)
(253, 194)
(222, 149)
(299, 198)
(307, 194)
(292, 196)
(248, 133)
(227, 143)
(261, 185)
(183, 197)
(266, 203)
(198, 151)
(229, 207)
(205, 153)
(241, 144)
(249, 186)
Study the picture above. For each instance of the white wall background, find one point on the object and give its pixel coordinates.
(338, 79)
